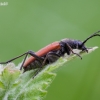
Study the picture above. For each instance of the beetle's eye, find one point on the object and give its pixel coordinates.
(84, 48)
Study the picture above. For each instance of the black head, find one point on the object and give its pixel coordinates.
(81, 45)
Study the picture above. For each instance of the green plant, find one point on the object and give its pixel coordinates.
(15, 85)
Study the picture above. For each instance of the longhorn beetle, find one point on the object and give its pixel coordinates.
(51, 53)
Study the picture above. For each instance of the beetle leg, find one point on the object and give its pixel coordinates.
(38, 70)
(26, 54)
(47, 58)
(32, 54)
(53, 55)
(73, 51)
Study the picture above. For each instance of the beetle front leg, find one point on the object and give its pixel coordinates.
(73, 51)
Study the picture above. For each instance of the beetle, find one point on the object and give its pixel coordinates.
(51, 53)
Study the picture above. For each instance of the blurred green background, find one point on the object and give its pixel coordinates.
(30, 25)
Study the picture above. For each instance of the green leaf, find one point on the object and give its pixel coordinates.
(15, 85)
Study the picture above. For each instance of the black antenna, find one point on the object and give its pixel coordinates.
(95, 34)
